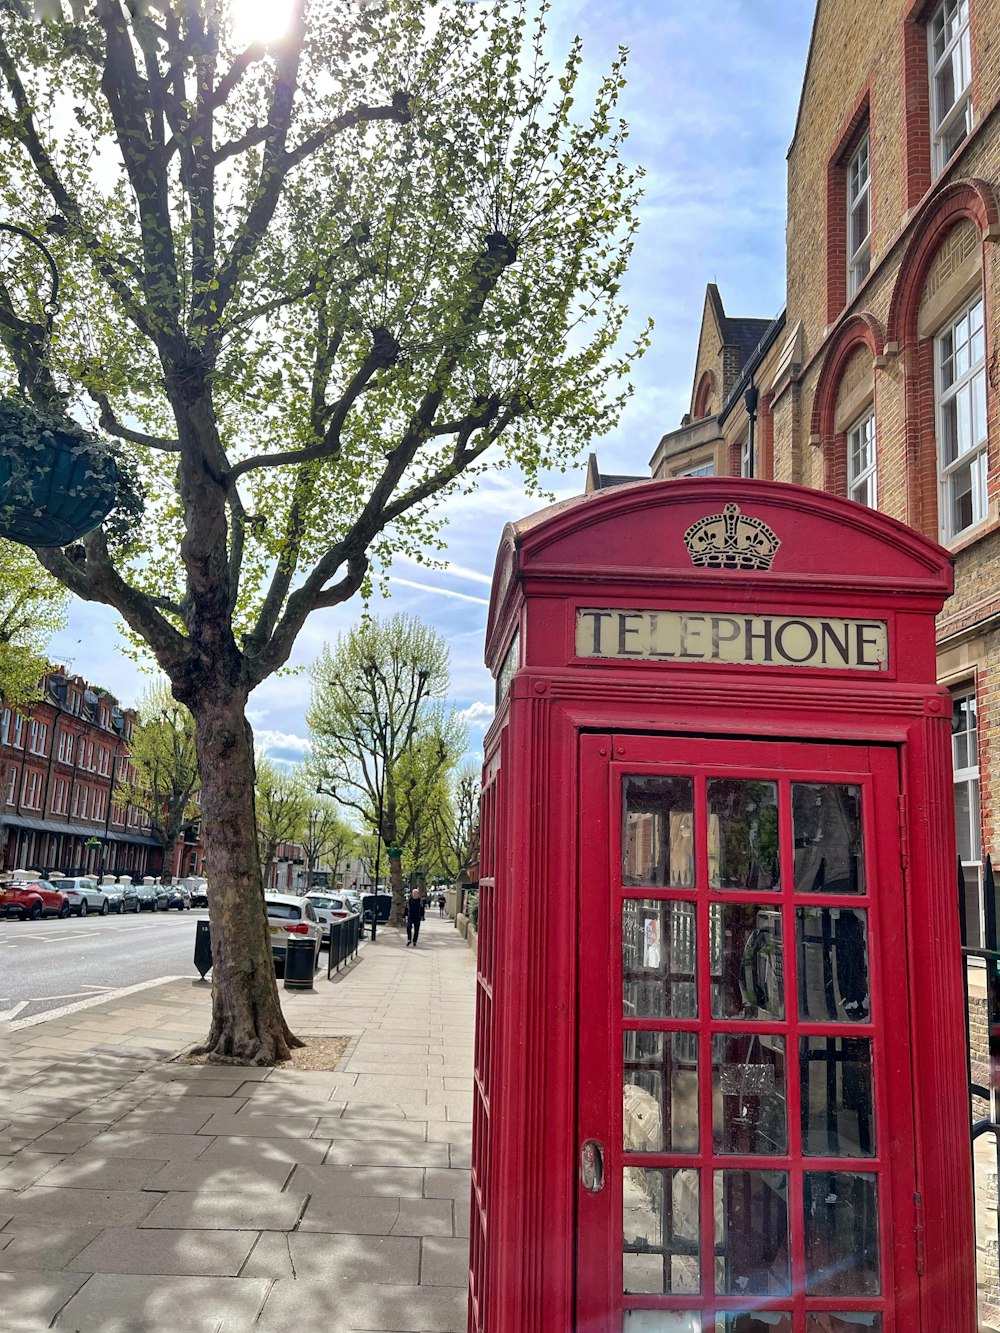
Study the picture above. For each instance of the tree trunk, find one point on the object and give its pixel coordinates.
(247, 1023)
(397, 914)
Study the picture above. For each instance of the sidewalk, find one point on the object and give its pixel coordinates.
(136, 1194)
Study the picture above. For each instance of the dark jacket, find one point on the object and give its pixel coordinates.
(414, 909)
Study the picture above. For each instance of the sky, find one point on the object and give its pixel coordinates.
(710, 102)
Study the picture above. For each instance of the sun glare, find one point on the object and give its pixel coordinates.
(260, 20)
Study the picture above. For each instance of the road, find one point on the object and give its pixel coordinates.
(48, 964)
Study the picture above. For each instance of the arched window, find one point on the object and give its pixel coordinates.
(938, 319)
(844, 417)
(704, 399)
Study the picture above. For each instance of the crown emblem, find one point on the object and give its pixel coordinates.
(731, 540)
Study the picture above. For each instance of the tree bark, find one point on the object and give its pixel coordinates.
(247, 1023)
(397, 914)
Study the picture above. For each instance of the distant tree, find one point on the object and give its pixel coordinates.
(457, 825)
(326, 836)
(32, 609)
(423, 784)
(161, 776)
(370, 704)
(281, 805)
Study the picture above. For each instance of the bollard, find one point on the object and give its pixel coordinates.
(300, 963)
(203, 948)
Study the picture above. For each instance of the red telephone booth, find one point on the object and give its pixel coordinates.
(720, 1082)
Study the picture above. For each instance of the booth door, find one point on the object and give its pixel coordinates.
(745, 1138)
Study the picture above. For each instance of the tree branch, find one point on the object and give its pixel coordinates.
(113, 426)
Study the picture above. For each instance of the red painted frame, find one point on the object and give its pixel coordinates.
(604, 762)
(624, 548)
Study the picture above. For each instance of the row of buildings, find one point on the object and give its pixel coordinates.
(65, 774)
(879, 380)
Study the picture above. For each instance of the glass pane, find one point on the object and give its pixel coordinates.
(660, 1092)
(658, 959)
(748, 1094)
(857, 1322)
(658, 832)
(832, 945)
(660, 1231)
(748, 972)
(841, 1233)
(754, 1321)
(835, 1078)
(663, 1321)
(751, 1233)
(742, 834)
(826, 828)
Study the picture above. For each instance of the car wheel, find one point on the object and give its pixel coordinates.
(106, 908)
(83, 909)
(64, 912)
(35, 912)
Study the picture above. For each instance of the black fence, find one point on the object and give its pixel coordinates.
(345, 936)
(982, 1017)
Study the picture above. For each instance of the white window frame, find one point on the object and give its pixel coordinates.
(859, 260)
(5, 727)
(968, 776)
(12, 787)
(976, 455)
(956, 52)
(746, 459)
(705, 469)
(862, 477)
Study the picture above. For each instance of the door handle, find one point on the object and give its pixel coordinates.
(592, 1166)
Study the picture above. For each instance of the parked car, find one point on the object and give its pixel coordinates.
(328, 907)
(114, 895)
(32, 899)
(352, 899)
(178, 896)
(148, 896)
(84, 894)
(288, 916)
(199, 894)
(130, 898)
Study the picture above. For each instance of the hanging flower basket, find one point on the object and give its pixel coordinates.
(57, 480)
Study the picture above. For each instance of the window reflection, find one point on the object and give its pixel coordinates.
(835, 1076)
(754, 1321)
(658, 832)
(748, 1094)
(841, 1233)
(660, 1092)
(858, 1321)
(660, 1231)
(751, 1233)
(658, 959)
(663, 1321)
(832, 944)
(742, 834)
(826, 828)
(748, 973)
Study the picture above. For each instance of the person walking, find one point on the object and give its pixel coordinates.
(414, 916)
(441, 904)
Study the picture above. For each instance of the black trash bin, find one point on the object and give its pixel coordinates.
(203, 948)
(300, 964)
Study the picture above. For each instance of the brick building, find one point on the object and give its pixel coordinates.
(880, 379)
(60, 766)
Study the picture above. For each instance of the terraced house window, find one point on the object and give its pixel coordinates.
(965, 763)
(961, 420)
(862, 475)
(951, 79)
(859, 216)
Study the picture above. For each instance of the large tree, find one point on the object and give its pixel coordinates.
(32, 608)
(161, 776)
(309, 286)
(377, 742)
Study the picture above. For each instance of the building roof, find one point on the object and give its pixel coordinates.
(600, 481)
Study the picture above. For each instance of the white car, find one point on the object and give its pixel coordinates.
(85, 895)
(289, 917)
(329, 907)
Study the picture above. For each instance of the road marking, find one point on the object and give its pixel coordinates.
(91, 1001)
(7, 1014)
(98, 988)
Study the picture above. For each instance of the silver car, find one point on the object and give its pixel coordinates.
(84, 895)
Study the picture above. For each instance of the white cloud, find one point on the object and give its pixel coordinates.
(477, 714)
(442, 592)
(279, 741)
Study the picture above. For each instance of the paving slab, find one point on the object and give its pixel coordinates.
(79, 1206)
(339, 1259)
(161, 1147)
(84, 1171)
(33, 1246)
(363, 1306)
(183, 1253)
(404, 1153)
(26, 1168)
(343, 1181)
(121, 1303)
(444, 1262)
(236, 1150)
(357, 1216)
(218, 1178)
(250, 1211)
(32, 1300)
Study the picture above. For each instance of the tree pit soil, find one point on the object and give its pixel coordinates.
(317, 1053)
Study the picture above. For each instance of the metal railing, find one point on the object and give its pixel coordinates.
(345, 936)
(987, 1090)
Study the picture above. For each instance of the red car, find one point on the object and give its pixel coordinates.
(32, 899)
